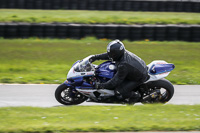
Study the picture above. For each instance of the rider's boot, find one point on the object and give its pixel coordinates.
(119, 97)
(135, 97)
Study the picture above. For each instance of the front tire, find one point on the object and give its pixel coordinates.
(68, 96)
(166, 90)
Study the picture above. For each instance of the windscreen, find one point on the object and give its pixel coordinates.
(83, 66)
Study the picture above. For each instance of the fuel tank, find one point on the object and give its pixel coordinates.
(106, 70)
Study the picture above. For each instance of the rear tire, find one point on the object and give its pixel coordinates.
(166, 88)
(68, 96)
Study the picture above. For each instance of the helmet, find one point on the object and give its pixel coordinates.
(115, 50)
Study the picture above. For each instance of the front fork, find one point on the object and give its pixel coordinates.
(70, 84)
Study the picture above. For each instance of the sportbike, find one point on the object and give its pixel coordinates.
(83, 75)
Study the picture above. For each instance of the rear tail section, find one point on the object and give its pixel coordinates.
(159, 69)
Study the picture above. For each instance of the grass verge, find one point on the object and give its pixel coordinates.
(100, 118)
(48, 60)
(93, 17)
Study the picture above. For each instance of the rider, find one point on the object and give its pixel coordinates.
(131, 71)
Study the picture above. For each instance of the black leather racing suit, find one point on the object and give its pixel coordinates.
(131, 71)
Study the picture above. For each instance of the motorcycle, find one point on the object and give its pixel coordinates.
(83, 75)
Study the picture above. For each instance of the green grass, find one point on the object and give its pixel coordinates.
(91, 17)
(49, 60)
(100, 118)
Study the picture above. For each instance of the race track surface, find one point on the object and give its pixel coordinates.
(43, 95)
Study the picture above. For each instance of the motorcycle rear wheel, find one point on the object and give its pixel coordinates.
(166, 90)
(67, 96)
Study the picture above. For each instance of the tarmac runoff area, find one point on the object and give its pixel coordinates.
(37, 95)
(42, 95)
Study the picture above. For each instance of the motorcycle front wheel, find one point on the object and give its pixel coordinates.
(68, 96)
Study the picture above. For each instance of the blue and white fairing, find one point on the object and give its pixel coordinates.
(79, 70)
(83, 69)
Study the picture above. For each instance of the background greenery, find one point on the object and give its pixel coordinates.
(91, 17)
(48, 60)
(100, 118)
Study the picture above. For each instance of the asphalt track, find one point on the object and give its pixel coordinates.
(42, 95)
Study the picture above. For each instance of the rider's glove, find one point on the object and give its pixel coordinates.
(99, 86)
(92, 59)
